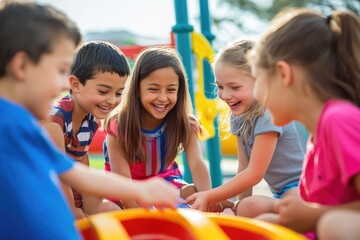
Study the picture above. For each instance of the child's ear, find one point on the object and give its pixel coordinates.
(74, 83)
(285, 71)
(17, 66)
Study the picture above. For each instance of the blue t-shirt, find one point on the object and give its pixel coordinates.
(32, 205)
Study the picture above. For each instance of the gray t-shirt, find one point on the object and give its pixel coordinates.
(286, 165)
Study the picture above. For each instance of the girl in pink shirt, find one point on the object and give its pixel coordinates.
(307, 68)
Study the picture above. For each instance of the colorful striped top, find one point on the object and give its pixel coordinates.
(78, 144)
(155, 163)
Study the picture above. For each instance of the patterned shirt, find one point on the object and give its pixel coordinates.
(75, 145)
(155, 164)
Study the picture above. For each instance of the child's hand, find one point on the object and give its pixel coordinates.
(199, 201)
(78, 213)
(158, 193)
(295, 214)
(235, 206)
(216, 207)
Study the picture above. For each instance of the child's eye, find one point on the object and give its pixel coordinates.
(236, 88)
(118, 94)
(152, 89)
(220, 87)
(64, 71)
(102, 92)
(172, 90)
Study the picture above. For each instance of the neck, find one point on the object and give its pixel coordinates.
(309, 116)
(12, 91)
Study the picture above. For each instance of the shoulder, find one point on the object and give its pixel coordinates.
(66, 104)
(62, 110)
(111, 127)
(338, 131)
(264, 124)
(340, 116)
(235, 123)
(338, 110)
(12, 108)
(16, 115)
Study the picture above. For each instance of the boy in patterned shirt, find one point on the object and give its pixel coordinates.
(96, 83)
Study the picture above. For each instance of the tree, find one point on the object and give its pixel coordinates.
(265, 10)
(242, 14)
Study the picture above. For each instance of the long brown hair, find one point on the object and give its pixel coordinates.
(327, 48)
(178, 122)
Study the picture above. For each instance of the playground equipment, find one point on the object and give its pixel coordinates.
(184, 224)
(206, 108)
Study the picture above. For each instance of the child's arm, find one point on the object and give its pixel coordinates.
(57, 137)
(294, 213)
(243, 163)
(119, 165)
(153, 192)
(198, 169)
(261, 155)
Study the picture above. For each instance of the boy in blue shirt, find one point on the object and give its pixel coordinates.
(36, 50)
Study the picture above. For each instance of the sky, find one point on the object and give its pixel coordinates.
(144, 17)
(149, 18)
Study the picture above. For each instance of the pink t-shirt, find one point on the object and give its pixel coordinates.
(334, 158)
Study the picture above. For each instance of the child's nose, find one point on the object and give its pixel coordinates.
(226, 94)
(112, 99)
(162, 96)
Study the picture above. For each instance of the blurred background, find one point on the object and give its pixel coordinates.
(149, 22)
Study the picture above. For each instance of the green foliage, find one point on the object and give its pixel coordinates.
(265, 10)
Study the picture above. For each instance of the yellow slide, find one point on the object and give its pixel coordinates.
(179, 224)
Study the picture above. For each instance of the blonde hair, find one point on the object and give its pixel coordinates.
(327, 48)
(235, 55)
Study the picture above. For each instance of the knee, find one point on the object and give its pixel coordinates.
(248, 207)
(327, 225)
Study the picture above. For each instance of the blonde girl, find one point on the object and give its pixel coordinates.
(264, 150)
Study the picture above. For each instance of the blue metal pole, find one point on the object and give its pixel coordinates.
(213, 144)
(182, 31)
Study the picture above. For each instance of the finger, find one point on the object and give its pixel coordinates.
(190, 199)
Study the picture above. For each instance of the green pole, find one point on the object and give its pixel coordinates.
(182, 30)
(213, 144)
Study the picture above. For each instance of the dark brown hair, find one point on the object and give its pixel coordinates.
(33, 29)
(327, 48)
(130, 111)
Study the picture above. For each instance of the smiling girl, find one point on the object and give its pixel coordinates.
(153, 122)
(264, 150)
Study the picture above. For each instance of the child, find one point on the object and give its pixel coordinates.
(97, 80)
(264, 150)
(153, 121)
(307, 68)
(36, 49)
(339, 225)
